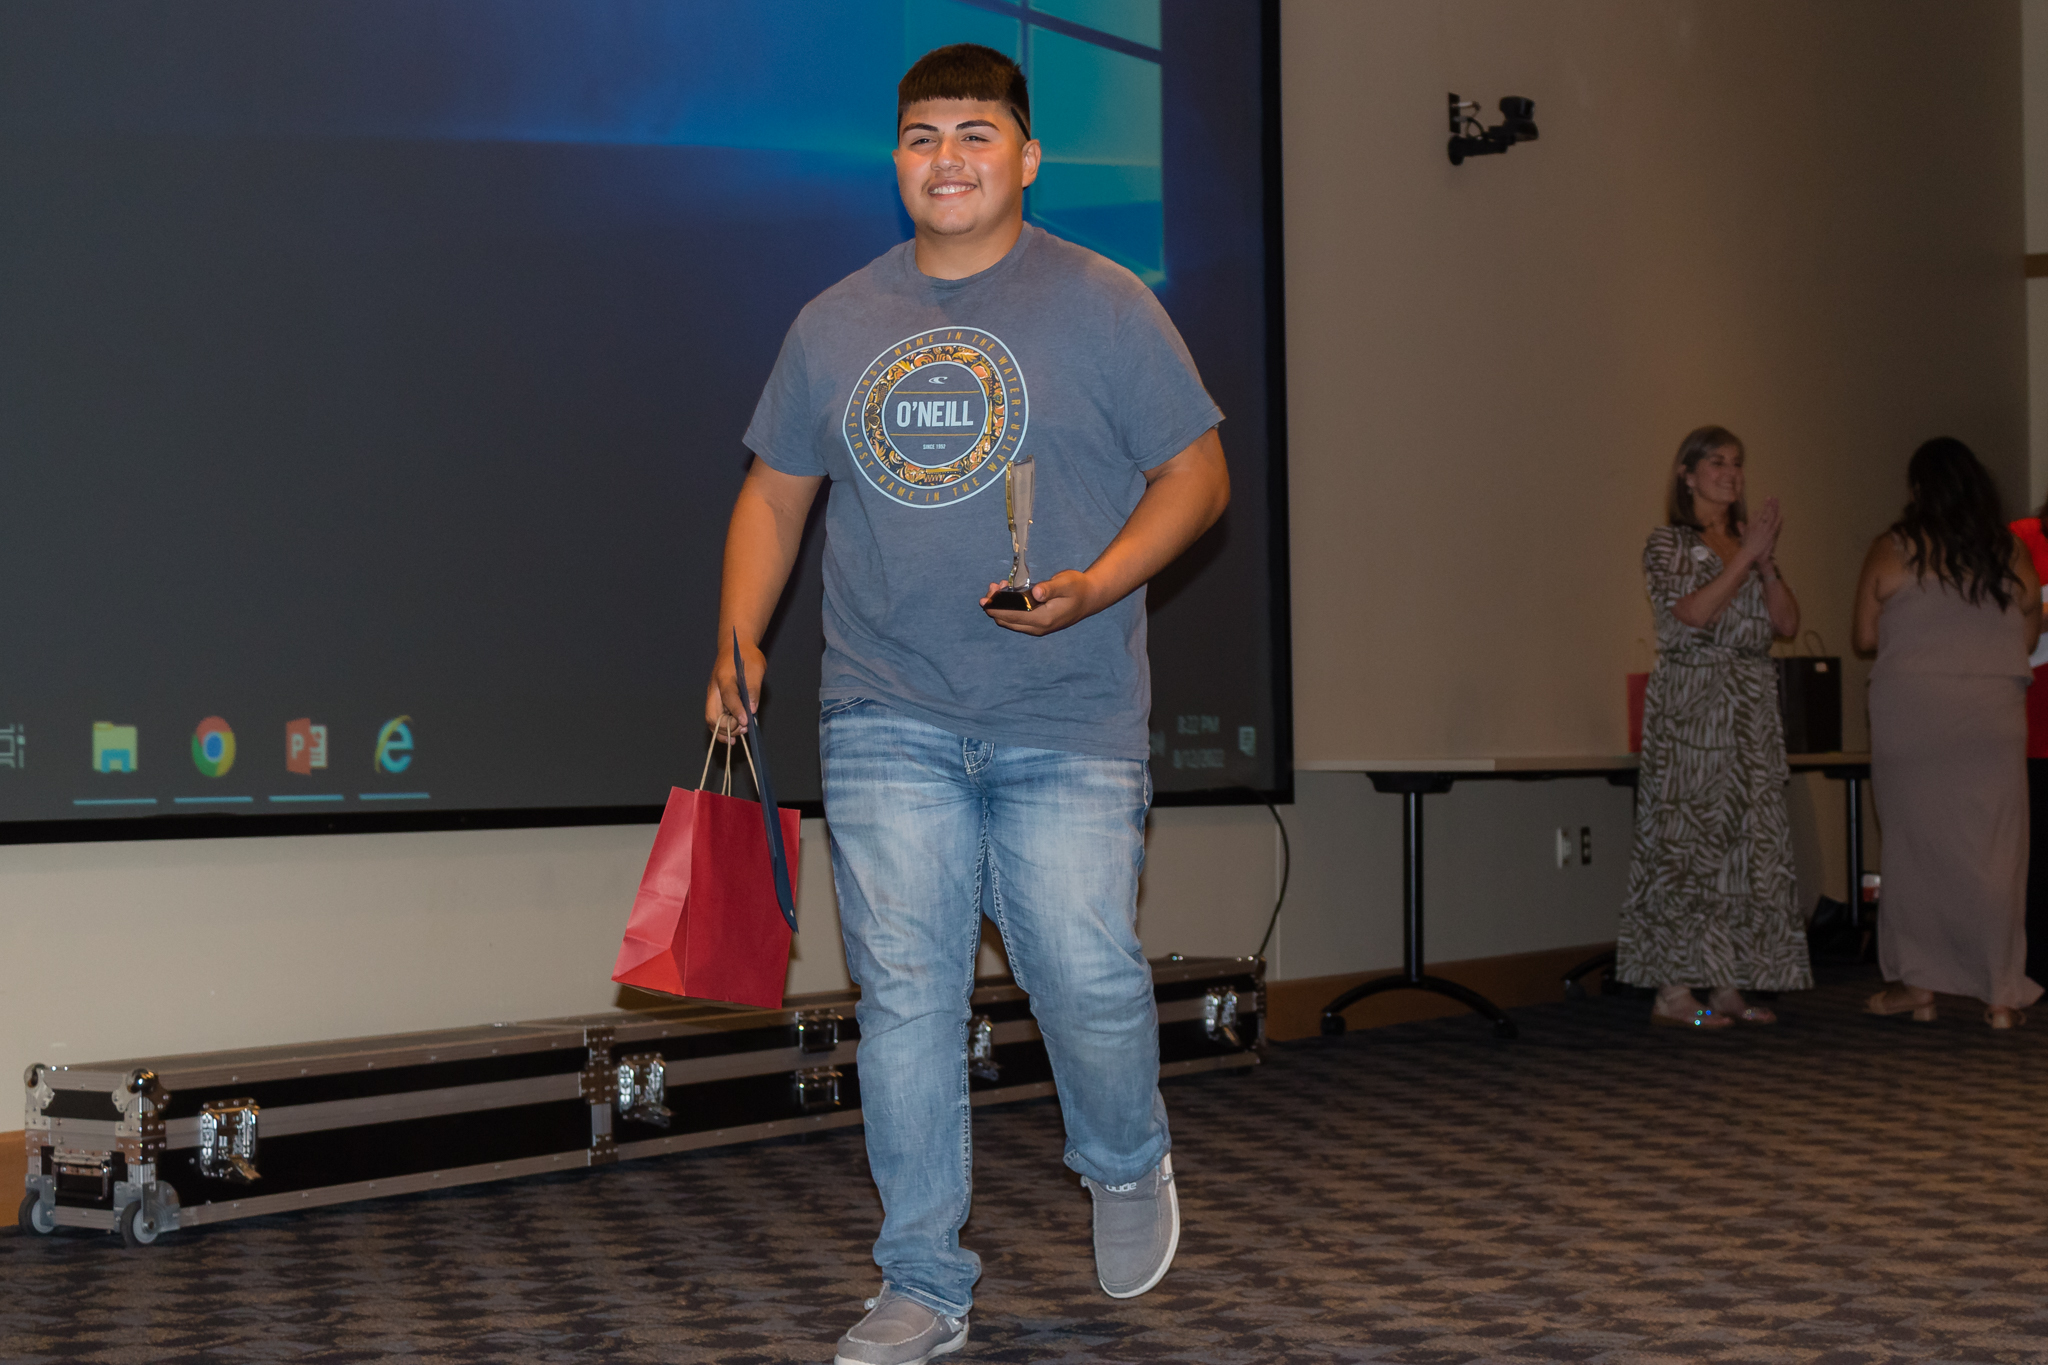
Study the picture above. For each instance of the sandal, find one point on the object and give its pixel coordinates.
(1748, 1013)
(2004, 1017)
(1701, 1018)
(1904, 1000)
(1670, 1012)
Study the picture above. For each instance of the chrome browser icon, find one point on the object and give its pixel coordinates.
(213, 747)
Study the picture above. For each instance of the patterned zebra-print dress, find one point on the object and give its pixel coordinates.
(1712, 897)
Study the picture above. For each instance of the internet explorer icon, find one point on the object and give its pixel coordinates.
(394, 745)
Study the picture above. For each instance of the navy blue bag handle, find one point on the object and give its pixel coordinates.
(778, 856)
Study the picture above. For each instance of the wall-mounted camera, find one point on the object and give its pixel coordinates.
(1470, 138)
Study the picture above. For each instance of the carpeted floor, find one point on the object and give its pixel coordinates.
(1837, 1190)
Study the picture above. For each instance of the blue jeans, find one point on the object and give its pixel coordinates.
(918, 818)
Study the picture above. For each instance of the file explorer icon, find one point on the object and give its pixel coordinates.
(113, 747)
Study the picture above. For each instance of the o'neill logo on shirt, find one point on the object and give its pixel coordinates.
(937, 416)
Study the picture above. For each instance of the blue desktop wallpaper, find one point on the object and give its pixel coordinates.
(382, 363)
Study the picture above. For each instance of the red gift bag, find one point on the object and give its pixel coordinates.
(706, 922)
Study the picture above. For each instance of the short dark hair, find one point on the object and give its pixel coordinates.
(965, 71)
(1699, 443)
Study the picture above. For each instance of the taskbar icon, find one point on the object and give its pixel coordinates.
(114, 747)
(394, 746)
(305, 746)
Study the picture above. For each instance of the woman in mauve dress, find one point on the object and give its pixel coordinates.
(1950, 603)
(1712, 899)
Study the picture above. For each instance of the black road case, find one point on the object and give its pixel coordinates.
(151, 1145)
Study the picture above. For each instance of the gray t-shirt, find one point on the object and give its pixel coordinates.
(913, 394)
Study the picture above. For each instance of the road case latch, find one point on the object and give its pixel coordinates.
(981, 1049)
(1219, 1015)
(227, 1140)
(817, 1030)
(643, 1089)
(817, 1087)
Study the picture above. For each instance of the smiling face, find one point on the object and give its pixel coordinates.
(1716, 481)
(961, 167)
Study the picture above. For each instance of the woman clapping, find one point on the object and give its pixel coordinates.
(1712, 897)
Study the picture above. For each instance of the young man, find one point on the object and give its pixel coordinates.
(968, 748)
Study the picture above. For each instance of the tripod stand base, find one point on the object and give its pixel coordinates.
(1574, 980)
(1333, 1013)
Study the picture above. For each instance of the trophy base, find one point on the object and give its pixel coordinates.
(1010, 599)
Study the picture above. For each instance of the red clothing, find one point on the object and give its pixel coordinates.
(2028, 529)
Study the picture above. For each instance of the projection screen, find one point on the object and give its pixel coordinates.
(372, 376)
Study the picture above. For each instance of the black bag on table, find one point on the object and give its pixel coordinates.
(1810, 701)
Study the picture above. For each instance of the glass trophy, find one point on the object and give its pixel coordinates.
(1017, 481)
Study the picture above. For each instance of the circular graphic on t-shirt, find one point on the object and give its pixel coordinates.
(936, 417)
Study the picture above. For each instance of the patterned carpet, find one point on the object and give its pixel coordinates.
(1838, 1190)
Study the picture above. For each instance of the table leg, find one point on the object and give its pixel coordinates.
(1412, 977)
(1854, 784)
(1411, 883)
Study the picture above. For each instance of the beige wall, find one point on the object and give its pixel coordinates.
(115, 949)
(1797, 217)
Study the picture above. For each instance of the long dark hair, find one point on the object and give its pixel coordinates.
(1697, 445)
(1953, 527)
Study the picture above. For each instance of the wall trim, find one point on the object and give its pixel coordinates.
(1294, 1008)
(13, 1165)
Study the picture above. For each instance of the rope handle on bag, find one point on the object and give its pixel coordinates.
(741, 737)
(1819, 646)
(709, 750)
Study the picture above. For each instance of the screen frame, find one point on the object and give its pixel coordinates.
(214, 826)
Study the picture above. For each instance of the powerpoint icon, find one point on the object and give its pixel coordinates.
(305, 746)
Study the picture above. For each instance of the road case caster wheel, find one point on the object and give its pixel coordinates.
(35, 1219)
(137, 1231)
(1333, 1024)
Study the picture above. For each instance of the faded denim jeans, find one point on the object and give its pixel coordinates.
(919, 819)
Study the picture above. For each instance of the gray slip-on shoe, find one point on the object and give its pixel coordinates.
(900, 1331)
(1137, 1229)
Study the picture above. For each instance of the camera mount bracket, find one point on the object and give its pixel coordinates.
(1470, 138)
